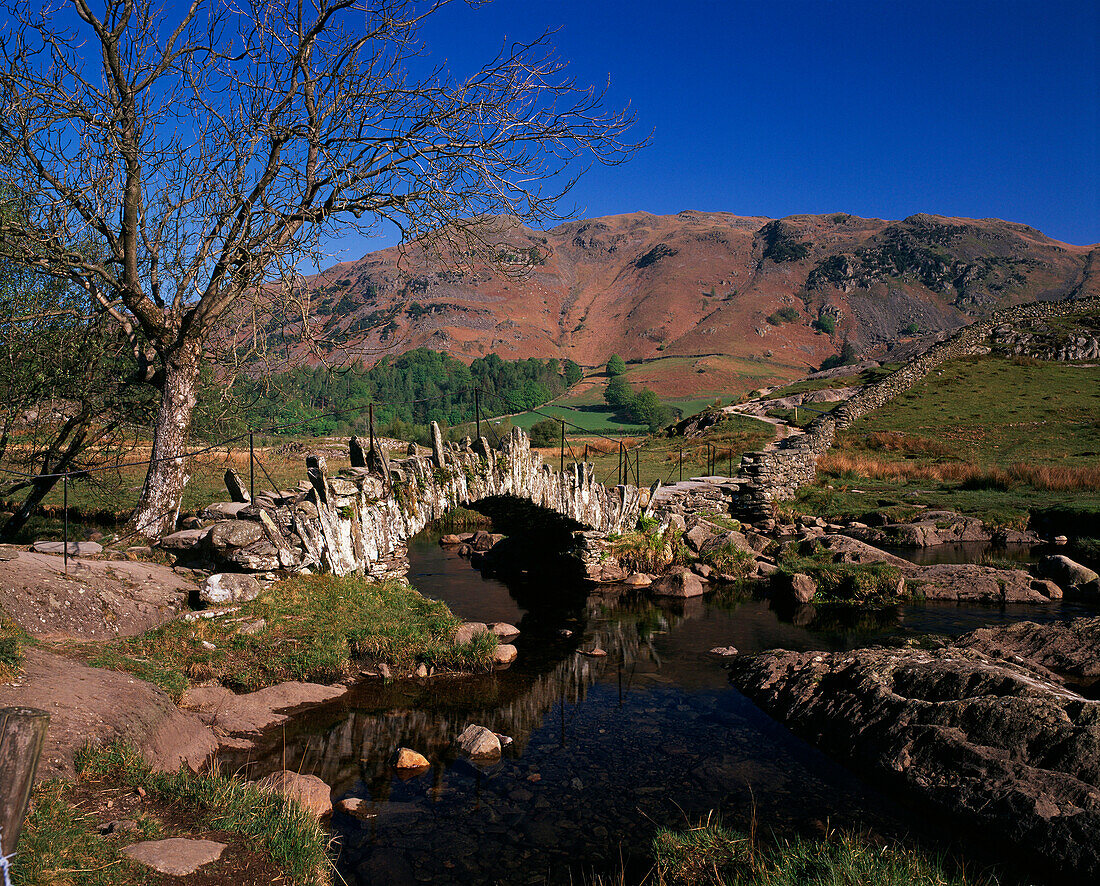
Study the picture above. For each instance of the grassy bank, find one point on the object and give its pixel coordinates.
(839, 582)
(712, 855)
(311, 628)
(62, 844)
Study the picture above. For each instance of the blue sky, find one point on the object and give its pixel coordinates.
(880, 109)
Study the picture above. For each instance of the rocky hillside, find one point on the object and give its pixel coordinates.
(695, 283)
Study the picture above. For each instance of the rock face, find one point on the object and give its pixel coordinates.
(1004, 745)
(967, 581)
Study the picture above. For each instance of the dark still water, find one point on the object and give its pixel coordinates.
(605, 750)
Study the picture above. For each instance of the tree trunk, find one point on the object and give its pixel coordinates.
(159, 505)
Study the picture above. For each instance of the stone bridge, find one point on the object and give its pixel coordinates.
(359, 519)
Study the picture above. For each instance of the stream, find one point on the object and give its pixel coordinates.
(605, 750)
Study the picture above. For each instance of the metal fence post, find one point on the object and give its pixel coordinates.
(477, 410)
(563, 447)
(251, 467)
(681, 464)
(65, 509)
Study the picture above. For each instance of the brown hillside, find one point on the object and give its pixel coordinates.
(694, 283)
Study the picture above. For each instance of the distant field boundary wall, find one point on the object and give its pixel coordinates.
(777, 475)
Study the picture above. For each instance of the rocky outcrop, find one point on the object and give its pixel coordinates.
(1001, 744)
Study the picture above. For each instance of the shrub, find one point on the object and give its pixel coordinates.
(616, 366)
(783, 315)
(546, 433)
(825, 323)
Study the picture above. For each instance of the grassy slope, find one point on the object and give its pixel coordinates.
(994, 437)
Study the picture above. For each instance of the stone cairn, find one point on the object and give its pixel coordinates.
(359, 519)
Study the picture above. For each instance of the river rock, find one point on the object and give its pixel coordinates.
(467, 631)
(478, 742)
(450, 541)
(356, 807)
(310, 792)
(229, 587)
(176, 856)
(504, 631)
(638, 580)
(802, 588)
(724, 651)
(504, 654)
(406, 758)
(997, 743)
(1070, 575)
(678, 582)
(851, 550)
(1070, 652)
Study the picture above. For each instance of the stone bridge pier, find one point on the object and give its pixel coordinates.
(360, 519)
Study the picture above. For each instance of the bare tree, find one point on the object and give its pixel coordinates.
(205, 157)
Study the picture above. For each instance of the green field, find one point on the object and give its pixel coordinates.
(1014, 441)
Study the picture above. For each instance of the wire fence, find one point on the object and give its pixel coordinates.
(628, 469)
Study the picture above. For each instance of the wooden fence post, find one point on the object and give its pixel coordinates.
(22, 735)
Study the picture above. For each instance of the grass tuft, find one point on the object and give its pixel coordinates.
(712, 855)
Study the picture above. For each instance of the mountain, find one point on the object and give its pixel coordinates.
(647, 286)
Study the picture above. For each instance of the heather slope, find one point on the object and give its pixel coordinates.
(695, 284)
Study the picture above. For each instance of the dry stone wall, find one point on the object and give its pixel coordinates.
(776, 475)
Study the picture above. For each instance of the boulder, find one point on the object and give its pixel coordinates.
(638, 580)
(968, 581)
(851, 550)
(1070, 575)
(1000, 744)
(679, 582)
(176, 856)
(724, 651)
(308, 791)
(261, 556)
(477, 742)
(802, 588)
(504, 654)
(229, 587)
(697, 536)
(406, 758)
(467, 631)
(504, 631)
(451, 540)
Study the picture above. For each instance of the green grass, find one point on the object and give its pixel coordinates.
(998, 411)
(822, 384)
(659, 456)
(315, 627)
(12, 640)
(1006, 440)
(840, 582)
(60, 844)
(712, 855)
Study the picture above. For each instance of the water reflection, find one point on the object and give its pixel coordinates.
(605, 749)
